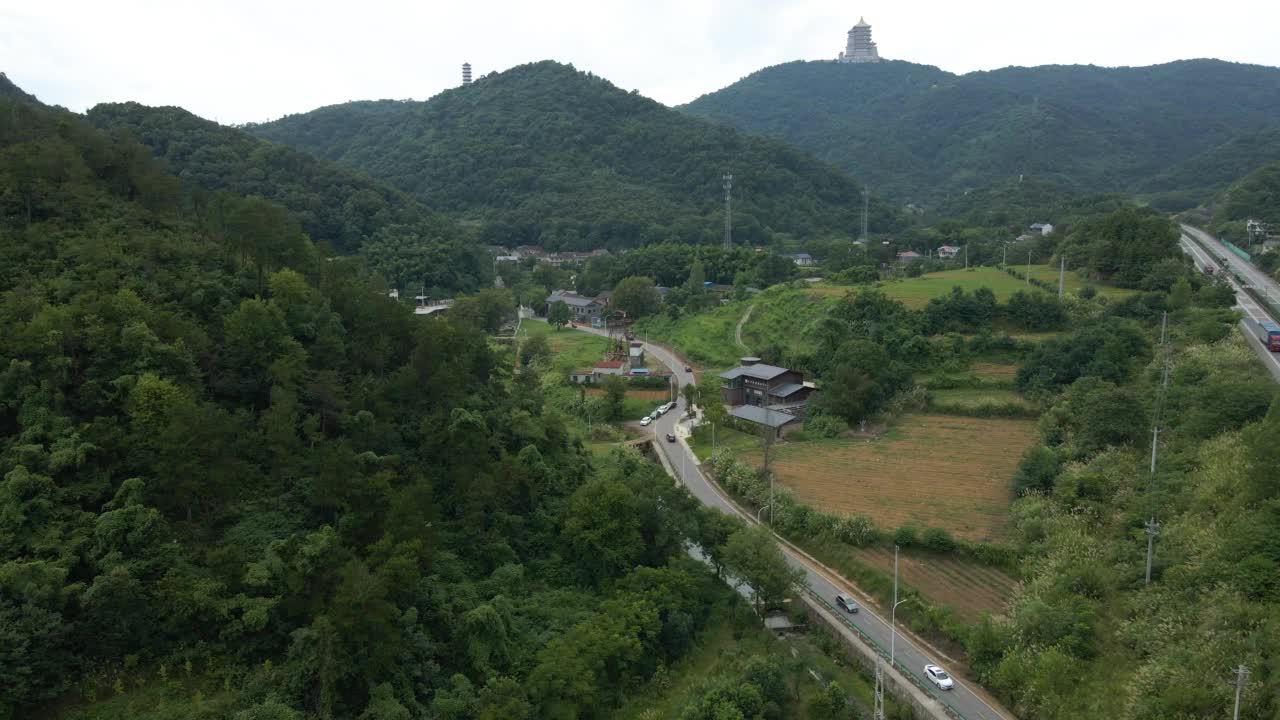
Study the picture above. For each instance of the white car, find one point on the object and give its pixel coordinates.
(939, 677)
(657, 412)
(669, 407)
(646, 421)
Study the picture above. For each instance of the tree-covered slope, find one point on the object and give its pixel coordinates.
(1256, 196)
(919, 133)
(238, 481)
(544, 153)
(334, 204)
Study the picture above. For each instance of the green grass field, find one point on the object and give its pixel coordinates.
(1072, 282)
(708, 338)
(570, 349)
(977, 397)
(917, 292)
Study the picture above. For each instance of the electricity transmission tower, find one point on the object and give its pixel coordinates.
(728, 209)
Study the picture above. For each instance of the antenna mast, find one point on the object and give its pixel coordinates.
(728, 209)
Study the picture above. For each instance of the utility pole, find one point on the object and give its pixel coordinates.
(1062, 272)
(1028, 266)
(966, 256)
(768, 444)
(1153, 527)
(728, 209)
(1241, 673)
(1004, 259)
(878, 713)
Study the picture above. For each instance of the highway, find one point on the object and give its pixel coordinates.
(1244, 302)
(910, 653)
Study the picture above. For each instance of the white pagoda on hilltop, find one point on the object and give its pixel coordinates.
(860, 49)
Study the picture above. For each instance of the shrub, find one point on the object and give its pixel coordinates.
(856, 530)
(1088, 292)
(906, 536)
(824, 426)
(937, 540)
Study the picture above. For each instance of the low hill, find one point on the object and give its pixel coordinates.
(543, 153)
(333, 203)
(1256, 196)
(920, 134)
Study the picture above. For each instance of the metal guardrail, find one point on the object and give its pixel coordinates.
(915, 678)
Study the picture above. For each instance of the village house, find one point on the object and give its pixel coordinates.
(909, 256)
(765, 394)
(803, 260)
(947, 252)
(582, 309)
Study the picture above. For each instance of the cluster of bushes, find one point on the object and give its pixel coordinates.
(1034, 281)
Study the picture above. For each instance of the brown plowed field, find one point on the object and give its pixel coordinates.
(929, 471)
(962, 585)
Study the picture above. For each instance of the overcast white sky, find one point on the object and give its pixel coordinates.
(240, 60)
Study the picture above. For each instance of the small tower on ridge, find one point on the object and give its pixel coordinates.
(466, 73)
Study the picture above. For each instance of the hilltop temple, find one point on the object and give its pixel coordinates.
(860, 48)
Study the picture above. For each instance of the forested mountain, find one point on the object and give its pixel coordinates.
(1255, 196)
(545, 154)
(407, 244)
(237, 481)
(920, 134)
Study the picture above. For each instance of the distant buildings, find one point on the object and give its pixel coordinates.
(1042, 228)
(803, 260)
(860, 48)
(946, 252)
(582, 309)
(909, 256)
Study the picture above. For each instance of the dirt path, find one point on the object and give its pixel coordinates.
(737, 332)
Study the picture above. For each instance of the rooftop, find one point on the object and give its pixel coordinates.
(787, 390)
(759, 371)
(760, 416)
(570, 299)
(609, 364)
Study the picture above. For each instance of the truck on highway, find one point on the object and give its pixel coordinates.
(1268, 334)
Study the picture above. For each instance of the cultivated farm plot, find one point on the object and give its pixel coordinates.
(1072, 282)
(966, 587)
(943, 471)
(994, 372)
(977, 397)
(654, 395)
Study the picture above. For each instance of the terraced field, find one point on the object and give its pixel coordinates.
(940, 471)
(966, 587)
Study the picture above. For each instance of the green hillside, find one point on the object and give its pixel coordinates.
(238, 481)
(1256, 196)
(333, 203)
(543, 153)
(921, 134)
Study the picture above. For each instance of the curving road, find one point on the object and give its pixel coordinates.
(911, 655)
(1257, 279)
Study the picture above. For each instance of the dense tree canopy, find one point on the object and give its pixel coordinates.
(548, 155)
(920, 134)
(224, 455)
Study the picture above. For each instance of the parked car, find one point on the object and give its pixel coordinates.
(671, 438)
(645, 422)
(669, 407)
(939, 677)
(657, 412)
(846, 603)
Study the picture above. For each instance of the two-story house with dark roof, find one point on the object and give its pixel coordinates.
(761, 385)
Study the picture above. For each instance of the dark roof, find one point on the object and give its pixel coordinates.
(787, 390)
(571, 299)
(760, 416)
(759, 371)
(802, 256)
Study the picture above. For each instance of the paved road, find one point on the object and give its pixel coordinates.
(1257, 279)
(1244, 302)
(909, 654)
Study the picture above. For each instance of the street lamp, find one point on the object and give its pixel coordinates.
(893, 612)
